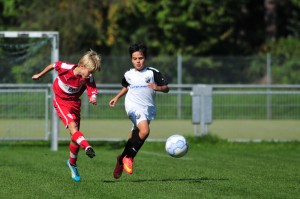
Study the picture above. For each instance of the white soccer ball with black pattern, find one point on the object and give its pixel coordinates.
(176, 146)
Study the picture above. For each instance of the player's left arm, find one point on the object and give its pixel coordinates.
(92, 90)
(161, 84)
(163, 88)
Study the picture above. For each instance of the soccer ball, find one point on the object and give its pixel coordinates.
(176, 146)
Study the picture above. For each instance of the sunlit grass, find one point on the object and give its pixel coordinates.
(213, 168)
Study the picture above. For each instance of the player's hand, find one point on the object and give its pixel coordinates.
(36, 77)
(153, 86)
(93, 100)
(112, 103)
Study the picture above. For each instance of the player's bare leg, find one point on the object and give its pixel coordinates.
(77, 140)
(78, 137)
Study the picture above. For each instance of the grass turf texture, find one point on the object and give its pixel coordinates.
(212, 168)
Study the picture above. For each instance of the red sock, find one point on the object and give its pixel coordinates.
(79, 139)
(74, 149)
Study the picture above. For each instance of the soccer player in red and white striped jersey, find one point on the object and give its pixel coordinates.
(72, 80)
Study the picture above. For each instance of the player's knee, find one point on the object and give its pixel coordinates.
(144, 134)
(72, 126)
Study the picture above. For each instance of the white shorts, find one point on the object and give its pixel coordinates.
(139, 115)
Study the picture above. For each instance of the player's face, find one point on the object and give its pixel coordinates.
(138, 60)
(86, 73)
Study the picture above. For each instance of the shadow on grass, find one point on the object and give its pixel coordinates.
(204, 179)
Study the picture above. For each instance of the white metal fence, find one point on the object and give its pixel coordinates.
(25, 109)
(24, 113)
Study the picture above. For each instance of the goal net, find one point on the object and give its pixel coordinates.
(26, 111)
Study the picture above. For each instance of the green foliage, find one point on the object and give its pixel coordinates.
(9, 8)
(285, 62)
(66, 17)
(168, 27)
(21, 58)
(191, 28)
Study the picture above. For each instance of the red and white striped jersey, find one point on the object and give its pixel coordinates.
(68, 86)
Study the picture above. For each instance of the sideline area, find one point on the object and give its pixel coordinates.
(233, 130)
(283, 130)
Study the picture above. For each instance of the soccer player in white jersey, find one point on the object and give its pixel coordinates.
(71, 82)
(140, 85)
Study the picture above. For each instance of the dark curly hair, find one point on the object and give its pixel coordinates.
(138, 47)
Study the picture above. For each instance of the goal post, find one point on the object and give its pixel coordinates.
(54, 36)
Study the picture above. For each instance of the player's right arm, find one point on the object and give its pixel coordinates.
(122, 92)
(43, 72)
(114, 100)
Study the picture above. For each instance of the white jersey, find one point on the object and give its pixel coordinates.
(139, 97)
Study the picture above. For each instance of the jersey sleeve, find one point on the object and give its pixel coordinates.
(57, 66)
(91, 87)
(159, 78)
(62, 67)
(124, 82)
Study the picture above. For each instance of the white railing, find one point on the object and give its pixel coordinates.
(23, 117)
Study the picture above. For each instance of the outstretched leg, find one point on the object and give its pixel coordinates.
(78, 137)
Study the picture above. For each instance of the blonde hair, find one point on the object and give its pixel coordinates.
(91, 60)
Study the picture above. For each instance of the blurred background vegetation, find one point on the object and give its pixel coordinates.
(219, 41)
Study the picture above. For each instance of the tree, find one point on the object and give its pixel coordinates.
(189, 27)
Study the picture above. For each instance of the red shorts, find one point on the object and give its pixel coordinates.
(68, 111)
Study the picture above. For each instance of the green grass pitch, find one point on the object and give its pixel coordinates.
(213, 168)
